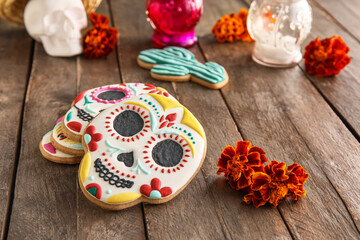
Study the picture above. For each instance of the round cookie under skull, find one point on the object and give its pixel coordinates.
(90, 102)
(63, 143)
(144, 149)
(53, 154)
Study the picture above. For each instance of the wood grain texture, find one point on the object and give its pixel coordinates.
(45, 193)
(280, 111)
(93, 221)
(343, 90)
(208, 208)
(345, 12)
(343, 93)
(13, 80)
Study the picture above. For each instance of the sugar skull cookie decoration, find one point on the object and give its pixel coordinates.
(53, 154)
(63, 143)
(90, 102)
(146, 148)
(179, 65)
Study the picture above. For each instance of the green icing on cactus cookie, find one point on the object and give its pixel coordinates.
(172, 61)
(170, 70)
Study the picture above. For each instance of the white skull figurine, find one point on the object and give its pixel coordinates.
(144, 149)
(57, 24)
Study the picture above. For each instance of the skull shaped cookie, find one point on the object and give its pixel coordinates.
(145, 149)
(90, 102)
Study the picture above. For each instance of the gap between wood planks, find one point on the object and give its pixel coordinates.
(207, 174)
(331, 186)
(333, 18)
(331, 105)
(242, 136)
(337, 111)
(5, 229)
(19, 139)
(122, 81)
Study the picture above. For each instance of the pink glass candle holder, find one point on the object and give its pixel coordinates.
(174, 21)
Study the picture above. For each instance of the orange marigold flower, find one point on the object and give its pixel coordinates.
(98, 21)
(232, 27)
(326, 57)
(276, 184)
(245, 37)
(101, 39)
(241, 163)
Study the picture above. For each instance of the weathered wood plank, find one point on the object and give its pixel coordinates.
(15, 49)
(343, 94)
(286, 122)
(342, 90)
(207, 208)
(94, 222)
(345, 12)
(45, 193)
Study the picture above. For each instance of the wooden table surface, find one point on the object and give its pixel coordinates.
(294, 117)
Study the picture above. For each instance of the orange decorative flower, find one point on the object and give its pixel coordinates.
(326, 57)
(99, 21)
(101, 39)
(276, 184)
(243, 13)
(232, 27)
(241, 163)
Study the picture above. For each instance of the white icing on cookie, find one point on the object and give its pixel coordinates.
(90, 102)
(50, 149)
(148, 145)
(64, 141)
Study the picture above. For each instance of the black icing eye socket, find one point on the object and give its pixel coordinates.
(167, 153)
(111, 95)
(126, 158)
(128, 123)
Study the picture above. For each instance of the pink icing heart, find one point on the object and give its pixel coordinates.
(50, 148)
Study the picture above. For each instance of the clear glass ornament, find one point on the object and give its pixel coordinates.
(278, 28)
